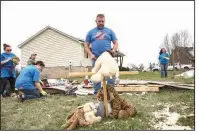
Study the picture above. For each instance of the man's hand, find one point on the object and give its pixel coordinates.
(113, 52)
(93, 56)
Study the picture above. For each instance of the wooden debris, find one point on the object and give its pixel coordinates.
(142, 88)
(151, 85)
(54, 90)
(180, 87)
(176, 85)
(79, 74)
(189, 85)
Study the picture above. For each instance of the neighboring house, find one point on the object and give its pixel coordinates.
(58, 50)
(183, 55)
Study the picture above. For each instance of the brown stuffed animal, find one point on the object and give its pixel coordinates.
(76, 119)
(16, 60)
(120, 107)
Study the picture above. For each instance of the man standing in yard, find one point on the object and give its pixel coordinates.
(31, 60)
(28, 82)
(100, 37)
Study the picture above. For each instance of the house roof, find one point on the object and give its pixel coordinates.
(45, 29)
(188, 51)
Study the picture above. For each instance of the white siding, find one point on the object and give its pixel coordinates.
(54, 49)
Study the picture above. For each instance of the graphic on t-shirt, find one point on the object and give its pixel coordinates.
(100, 35)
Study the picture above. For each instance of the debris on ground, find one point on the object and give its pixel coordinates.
(66, 87)
(186, 75)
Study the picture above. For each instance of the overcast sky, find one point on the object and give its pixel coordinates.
(139, 26)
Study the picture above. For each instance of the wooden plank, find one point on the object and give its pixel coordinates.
(139, 85)
(180, 87)
(105, 97)
(84, 90)
(163, 83)
(79, 74)
(141, 89)
(54, 90)
(188, 85)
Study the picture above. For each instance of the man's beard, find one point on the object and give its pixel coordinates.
(100, 26)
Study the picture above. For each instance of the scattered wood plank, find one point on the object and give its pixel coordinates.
(139, 85)
(54, 90)
(140, 89)
(172, 84)
(79, 74)
(189, 85)
(87, 91)
(179, 87)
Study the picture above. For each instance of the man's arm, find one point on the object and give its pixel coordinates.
(115, 42)
(36, 79)
(86, 47)
(115, 45)
(38, 86)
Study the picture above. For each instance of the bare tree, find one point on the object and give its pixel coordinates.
(175, 41)
(178, 39)
(185, 39)
(141, 67)
(137, 68)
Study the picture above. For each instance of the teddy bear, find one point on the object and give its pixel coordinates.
(15, 60)
(90, 111)
(105, 66)
(84, 115)
(120, 107)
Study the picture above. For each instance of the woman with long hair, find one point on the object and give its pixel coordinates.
(8, 69)
(164, 60)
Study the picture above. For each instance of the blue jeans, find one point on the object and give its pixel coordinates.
(30, 94)
(163, 69)
(97, 86)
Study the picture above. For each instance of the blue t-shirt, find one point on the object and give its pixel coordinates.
(100, 38)
(7, 69)
(27, 78)
(162, 59)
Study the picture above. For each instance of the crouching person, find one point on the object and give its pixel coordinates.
(28, 82)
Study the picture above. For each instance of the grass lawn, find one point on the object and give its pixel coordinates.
(167, 109)
(155, 76)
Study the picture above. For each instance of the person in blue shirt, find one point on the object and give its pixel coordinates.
(28, 82)
(163, 59)
(8, 70)
(100, 37)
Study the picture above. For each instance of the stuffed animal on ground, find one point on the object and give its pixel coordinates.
(90, 112)
(84, 115)
(105, 66)
(76, 119)
(120, 107)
